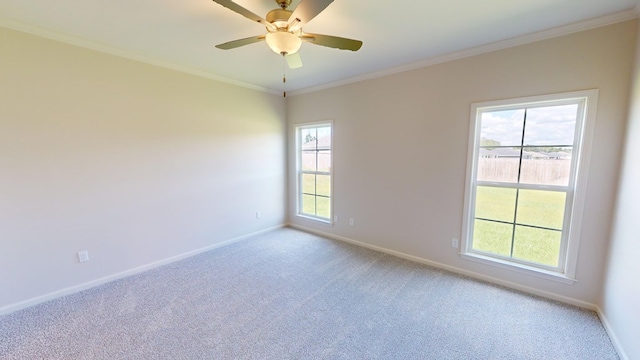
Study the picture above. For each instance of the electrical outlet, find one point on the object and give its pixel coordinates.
(83, 256)
(351, 222)
(258, 214)
(335, 218)
(454, 243)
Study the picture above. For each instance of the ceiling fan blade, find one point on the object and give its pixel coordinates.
(241, 42)
(244, 12)
(305, 11)
(332, 41)
(293, 60)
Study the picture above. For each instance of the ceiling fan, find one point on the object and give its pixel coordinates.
(284, 29)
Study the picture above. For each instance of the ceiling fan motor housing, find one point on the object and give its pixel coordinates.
(279, 17)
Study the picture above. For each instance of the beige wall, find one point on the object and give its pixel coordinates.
(621, 299)
(139, 164)
(132, 162)
(400, 147)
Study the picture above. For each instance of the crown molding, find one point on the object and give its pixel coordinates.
(483, 49)
(103, 48)
(630, 14)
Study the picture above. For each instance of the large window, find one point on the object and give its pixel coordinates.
(524, 183)
(314, 158)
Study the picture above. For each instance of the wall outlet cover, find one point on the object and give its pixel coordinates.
(83, 256)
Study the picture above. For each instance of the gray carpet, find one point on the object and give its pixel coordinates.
(293, 295)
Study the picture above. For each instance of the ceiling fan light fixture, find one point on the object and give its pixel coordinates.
(283, 42)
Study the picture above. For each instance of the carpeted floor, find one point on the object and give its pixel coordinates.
(292, 295)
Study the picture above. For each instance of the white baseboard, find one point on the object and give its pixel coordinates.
(87, 285)
(612, 335)
(453, 269)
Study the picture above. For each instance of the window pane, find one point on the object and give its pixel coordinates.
(309, 183)
(551, 125)
(537, 245)
(546, 166)
(308, 139)
(323, 185)
(492, 237)
(494, 168)
(324, 160)
(324, 205)
(324, 137)
(309, 204)
(501, 128)
(541, 208)
(308, 160)
(495, 203)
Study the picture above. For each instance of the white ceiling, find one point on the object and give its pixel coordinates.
(182, 34)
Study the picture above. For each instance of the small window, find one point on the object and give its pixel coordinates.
(524, 184)
(314, 164)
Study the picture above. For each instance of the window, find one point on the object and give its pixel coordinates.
(524, 182)
(314, 162)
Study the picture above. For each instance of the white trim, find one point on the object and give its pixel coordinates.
(612, 335)
(483, 49)
(93, 283)
(580, 191)
(107, 49)
(310, 124)
(453, 269)
(521, 268)
(313, 218)
(536, 100)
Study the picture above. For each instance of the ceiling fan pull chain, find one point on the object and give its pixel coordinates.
(284, 75)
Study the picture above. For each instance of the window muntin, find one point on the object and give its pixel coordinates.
(314, 149)
(523, 179)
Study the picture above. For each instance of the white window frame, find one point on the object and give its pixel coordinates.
(565, 272)
(299, 172)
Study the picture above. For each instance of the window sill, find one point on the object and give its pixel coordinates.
(315, 219)
(520, 268)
